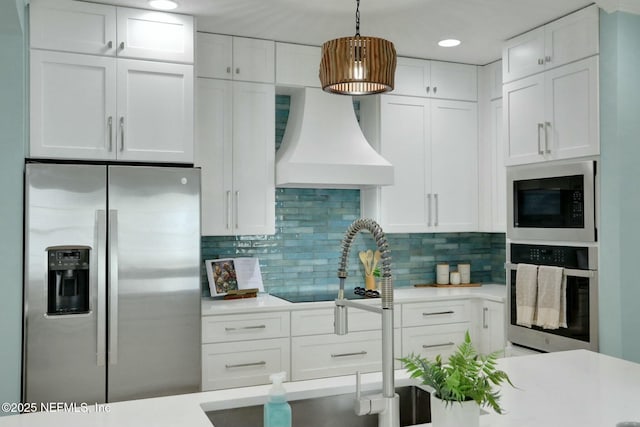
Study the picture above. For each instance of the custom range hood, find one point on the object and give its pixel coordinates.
(323, 146)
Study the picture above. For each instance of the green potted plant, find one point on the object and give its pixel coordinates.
(460, 386)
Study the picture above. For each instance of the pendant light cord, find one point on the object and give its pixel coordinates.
(357, 18)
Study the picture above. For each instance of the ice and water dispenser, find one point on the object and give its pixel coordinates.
(68, 280)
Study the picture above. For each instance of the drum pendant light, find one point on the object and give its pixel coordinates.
(358, 65)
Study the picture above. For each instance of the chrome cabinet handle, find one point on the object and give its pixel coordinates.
(109, 44)
(547, 58)
(245, 328)
(540, 150)
(237, 209)
(435, 198)
(435, 89)
(113, 287)
(238, 70)
(546, 137)
(540, 61)
(101, 274)
(485, 310)
(228, 70)
(121, 133)
(429, 210)
(121, 45)
(246, 365)
(444, 344)
(110, 125)
(357, 353)
(438, 313)
(228, 210)
(428, 89)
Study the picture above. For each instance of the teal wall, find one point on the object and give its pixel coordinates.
(12, 137)
(620, 189)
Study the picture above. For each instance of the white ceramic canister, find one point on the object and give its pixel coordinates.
(455, 278)
(465, 273)
(442, 274)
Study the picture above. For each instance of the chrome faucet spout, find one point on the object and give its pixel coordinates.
(386, 405)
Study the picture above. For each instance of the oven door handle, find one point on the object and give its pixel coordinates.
(567, 271)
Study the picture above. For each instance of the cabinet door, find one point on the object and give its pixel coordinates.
(524, 120)
(412, 77)
(297, 65)
(571, 123)
(253, 60)
(73, 26)
(454, 165)
(492, 332)
(523, 55)
(73, 106)
(573, 37)
(404, 207)
(454, 81)
(144, 34)
(254, 158)
(498, 170)
(214, 56)
(155, 111)
(214, 154)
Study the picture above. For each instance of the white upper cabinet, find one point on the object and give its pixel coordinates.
(235, 147)
(73, 26)
(235, 58)
(433, 147)
(297, 65)
(553, 115)
(77, 26)
(97, 108)
(565, 40)
(436, 79)
(145, 34)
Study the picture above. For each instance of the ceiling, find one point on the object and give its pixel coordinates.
(415, 26)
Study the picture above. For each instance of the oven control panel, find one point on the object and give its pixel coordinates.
(560, 256)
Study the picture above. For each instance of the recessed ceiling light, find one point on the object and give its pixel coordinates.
(163, 4)
(449, 43)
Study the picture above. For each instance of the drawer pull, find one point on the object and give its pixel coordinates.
(245, 328)
(437, 313)
(444, 344)
(246, 365)
(357, 353)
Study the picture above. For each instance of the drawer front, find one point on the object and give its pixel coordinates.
(243, 364)
(436, 313)
(331, 355)
(241, 327)
(429, 341)
(320, 321)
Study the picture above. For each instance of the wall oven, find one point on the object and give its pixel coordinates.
(580, 267)
(552, 202)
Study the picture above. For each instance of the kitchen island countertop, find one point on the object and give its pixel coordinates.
(573, 388)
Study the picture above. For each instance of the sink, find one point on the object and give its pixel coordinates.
(330, 411)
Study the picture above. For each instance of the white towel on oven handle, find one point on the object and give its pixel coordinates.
(552, 297)
(526, 293)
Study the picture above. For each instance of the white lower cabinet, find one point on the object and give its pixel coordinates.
(328, 355)
(492, 328)
(429, 341)
(244, 349)
(243, 363)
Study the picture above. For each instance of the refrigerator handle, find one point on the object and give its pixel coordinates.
(101, 273)
(113, 287)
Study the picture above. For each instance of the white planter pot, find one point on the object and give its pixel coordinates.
(456, 414)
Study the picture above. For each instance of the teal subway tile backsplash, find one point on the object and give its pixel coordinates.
(303, 254)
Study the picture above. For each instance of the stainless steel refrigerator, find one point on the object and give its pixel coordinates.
(112, 282)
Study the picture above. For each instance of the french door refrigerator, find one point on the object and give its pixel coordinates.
(112, 282)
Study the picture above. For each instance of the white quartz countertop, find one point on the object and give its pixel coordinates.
(565, 389)
(267, 302)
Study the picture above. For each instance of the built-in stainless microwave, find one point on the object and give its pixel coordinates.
(552, 202)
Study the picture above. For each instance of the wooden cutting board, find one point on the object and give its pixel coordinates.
(462, 285)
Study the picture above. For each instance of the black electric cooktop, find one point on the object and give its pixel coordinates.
(316, 297)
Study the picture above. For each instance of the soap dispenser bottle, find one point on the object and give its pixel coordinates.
(277, 412)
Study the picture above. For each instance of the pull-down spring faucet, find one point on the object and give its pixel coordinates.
(387, 404)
